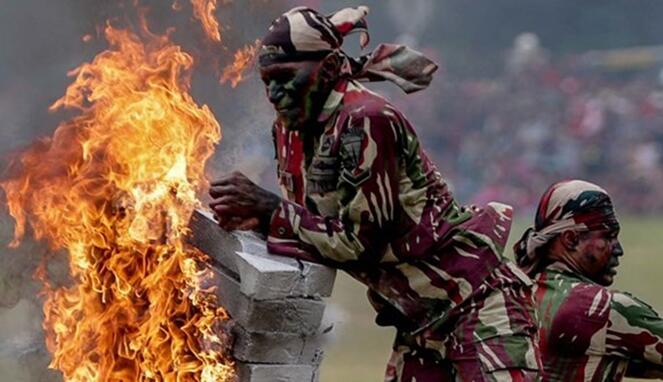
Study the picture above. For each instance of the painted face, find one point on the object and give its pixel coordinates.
(598, 255)
(296, 91)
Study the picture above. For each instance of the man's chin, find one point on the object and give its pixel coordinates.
(607, 279)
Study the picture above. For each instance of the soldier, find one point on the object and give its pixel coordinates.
(587, 332)
(360, 194)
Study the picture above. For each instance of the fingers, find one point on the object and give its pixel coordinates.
(233, 214)
(248, 224)
(233, 203)
(230, 223)
(219, 191)
(226, 211)
(226, 199)
(233, 177)
(238, 202)
(233, 184)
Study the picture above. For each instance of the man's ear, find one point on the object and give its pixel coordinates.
(569, 240)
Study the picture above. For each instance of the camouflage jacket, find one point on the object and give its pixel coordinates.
(590, 333)
(368, 200)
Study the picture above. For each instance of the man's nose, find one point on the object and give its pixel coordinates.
(618, 250)
(275, 93)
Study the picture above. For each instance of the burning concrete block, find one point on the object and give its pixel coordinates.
(207, 236)
(275, 303)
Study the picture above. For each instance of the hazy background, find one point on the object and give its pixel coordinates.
(529, 91)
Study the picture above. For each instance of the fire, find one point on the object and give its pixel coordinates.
(243, 60)
(114, 188)
(203, 10)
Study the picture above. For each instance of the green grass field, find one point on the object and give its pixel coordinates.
(360, 349)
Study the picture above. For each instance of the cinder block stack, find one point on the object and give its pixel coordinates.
(275, 303)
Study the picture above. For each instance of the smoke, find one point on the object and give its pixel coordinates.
(37, 50)
(23, 357)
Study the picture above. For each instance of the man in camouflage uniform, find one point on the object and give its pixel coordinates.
(587, 332)
(360, 194)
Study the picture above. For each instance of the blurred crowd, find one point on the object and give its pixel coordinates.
(507, 138)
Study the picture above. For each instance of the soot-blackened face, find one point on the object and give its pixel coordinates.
(297, 90)
(598, 255)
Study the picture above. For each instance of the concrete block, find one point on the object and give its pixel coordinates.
(288, 315)
(251, 242)
(277, 373)
(318, 279)
(277, 348)
(207, 236)
(262, 276)
(274, 303)
(268, 277)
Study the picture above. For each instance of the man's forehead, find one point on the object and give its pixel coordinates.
(609, 227)
(288, 66)
(277, 67)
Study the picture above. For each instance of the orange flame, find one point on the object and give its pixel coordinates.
(115, 187)
(204, 10)
(243, 60)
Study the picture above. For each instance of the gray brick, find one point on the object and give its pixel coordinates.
(276, 373)
(277, 348)
(262, 276)
(318, 280)
(267, 277)
(207, 236)
(288, 315)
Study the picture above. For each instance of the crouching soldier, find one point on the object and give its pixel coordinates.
(359, 193)
(587, 331)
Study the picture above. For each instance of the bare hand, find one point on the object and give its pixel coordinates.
(240, 204)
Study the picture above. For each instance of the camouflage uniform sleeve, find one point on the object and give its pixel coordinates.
(368, 193)
(635, 330)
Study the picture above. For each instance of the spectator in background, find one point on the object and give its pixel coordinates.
(515, 136)
(526, 55)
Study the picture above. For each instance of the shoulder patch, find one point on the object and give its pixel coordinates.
(351, 147)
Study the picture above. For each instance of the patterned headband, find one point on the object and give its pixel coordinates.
(304, 34)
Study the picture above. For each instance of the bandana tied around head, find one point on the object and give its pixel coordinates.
(304, 34)
(573, 205)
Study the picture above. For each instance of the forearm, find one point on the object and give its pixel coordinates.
(297, 232)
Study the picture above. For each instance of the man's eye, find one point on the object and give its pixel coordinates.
(282, 79)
